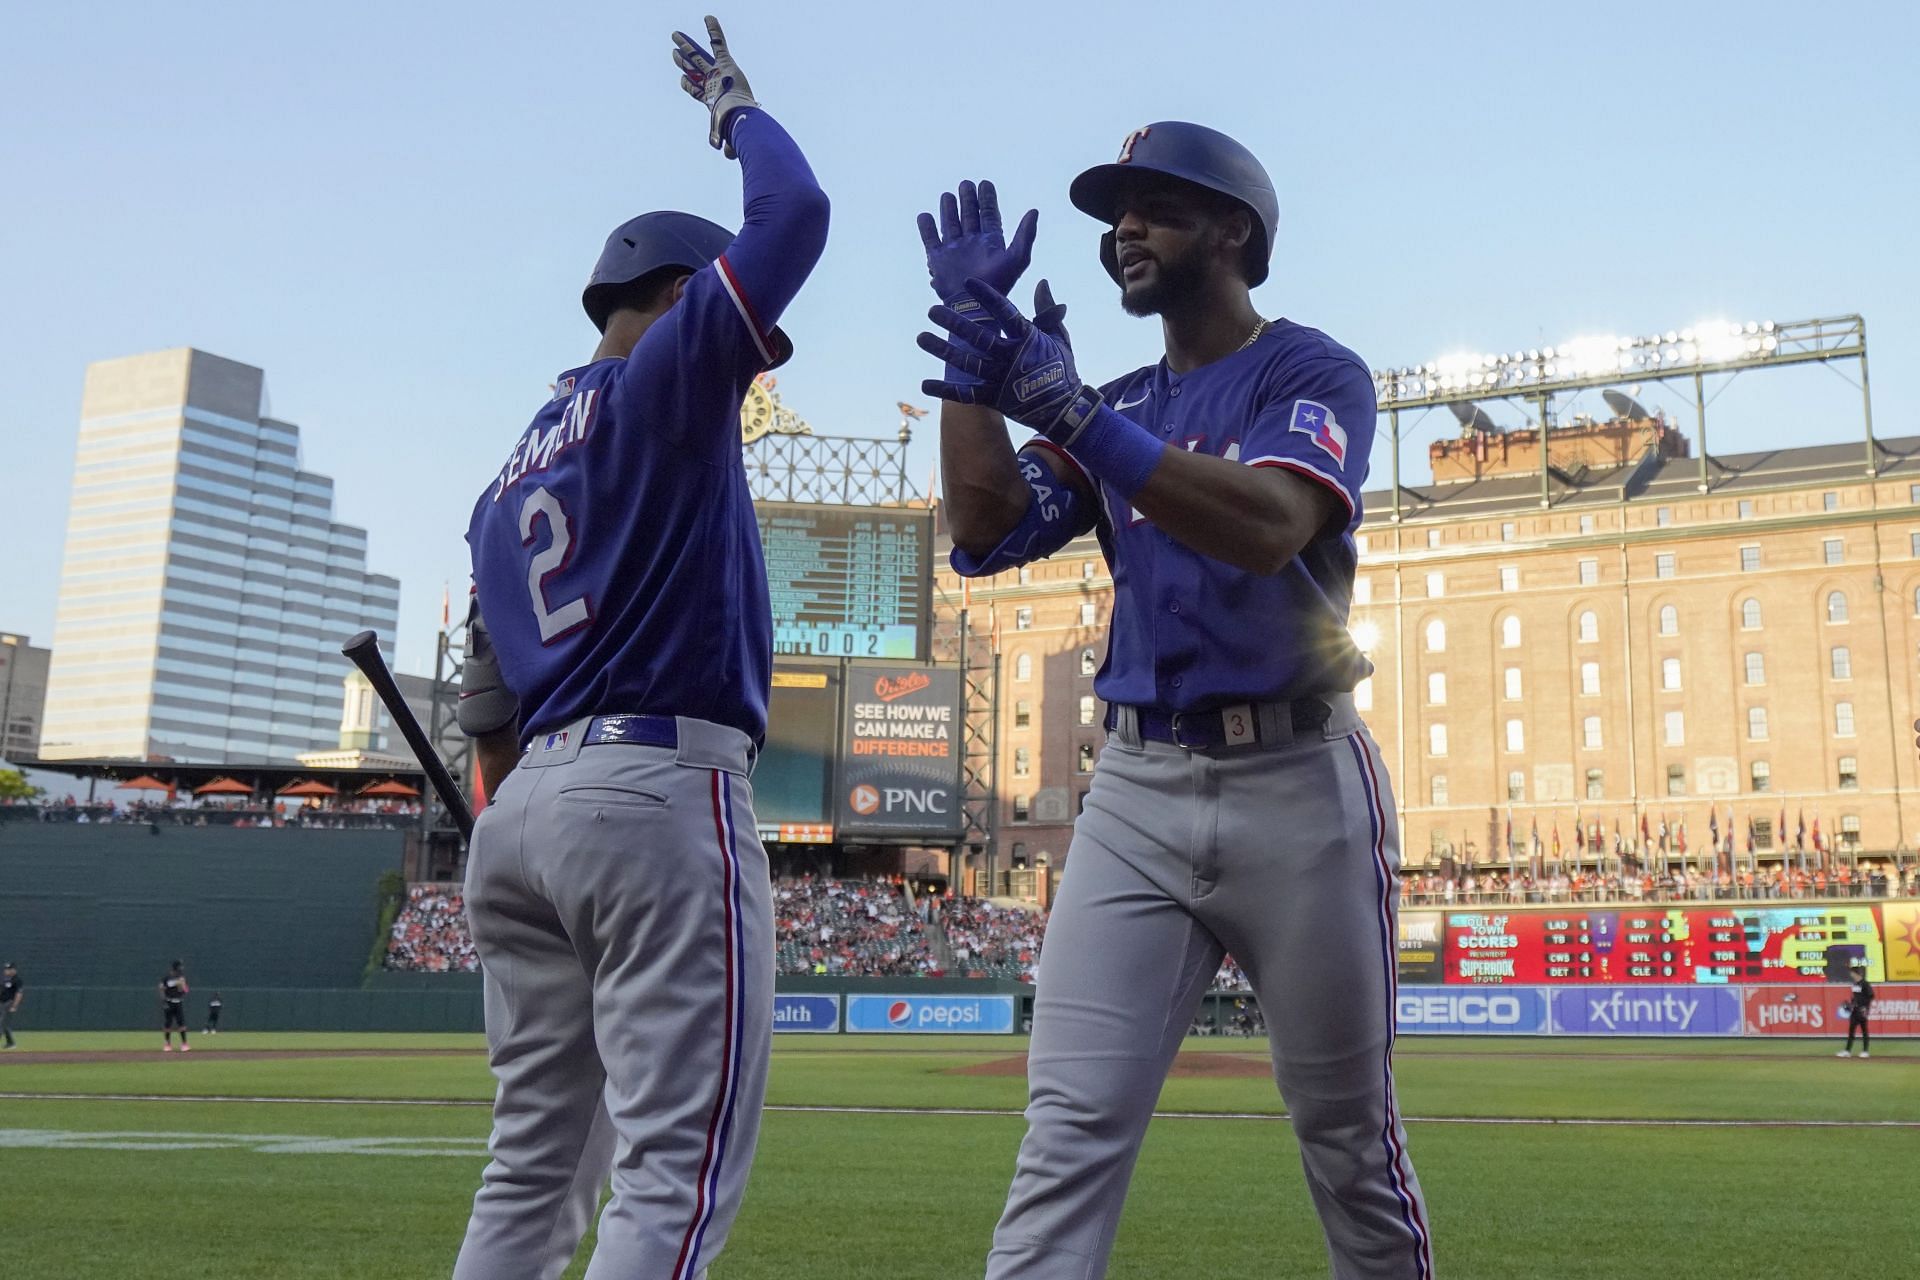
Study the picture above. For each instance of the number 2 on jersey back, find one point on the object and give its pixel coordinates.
(561, 620)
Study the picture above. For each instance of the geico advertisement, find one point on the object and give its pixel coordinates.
(900, 762)
(924, 1015)
(1514, 1011)
(1822, 1010)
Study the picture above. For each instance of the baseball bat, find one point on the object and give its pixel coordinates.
(364, 652)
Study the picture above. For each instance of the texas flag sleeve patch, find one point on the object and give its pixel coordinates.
(1315, 420)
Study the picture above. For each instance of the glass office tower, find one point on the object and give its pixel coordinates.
(206, 586)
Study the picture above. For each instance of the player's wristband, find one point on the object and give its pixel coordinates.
(1109, 444)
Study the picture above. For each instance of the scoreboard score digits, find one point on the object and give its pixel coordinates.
(1727, 943)
(848, 582)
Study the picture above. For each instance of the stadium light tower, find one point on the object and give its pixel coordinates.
(1538, 374)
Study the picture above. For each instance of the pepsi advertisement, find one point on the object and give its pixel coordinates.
(930, 1015)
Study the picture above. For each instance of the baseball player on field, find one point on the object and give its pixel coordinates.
(617, 893)
(1240, 804)
(173, 1007)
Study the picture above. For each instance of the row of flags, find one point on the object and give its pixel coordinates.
(1663, 838)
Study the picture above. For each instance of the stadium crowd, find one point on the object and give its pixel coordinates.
(849, 928)
(1673, 884)
(378, 815)
(992, 940)
(870, 928)
(822, 926)
(430, 932)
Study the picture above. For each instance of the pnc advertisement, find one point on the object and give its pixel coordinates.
(900, 758)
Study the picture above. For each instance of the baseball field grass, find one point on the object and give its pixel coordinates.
(308, 1156)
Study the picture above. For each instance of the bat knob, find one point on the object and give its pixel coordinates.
(360, 643)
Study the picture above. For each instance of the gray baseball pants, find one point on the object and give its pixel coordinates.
(1283, 854)
(618, 897)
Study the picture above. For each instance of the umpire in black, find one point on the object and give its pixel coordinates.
(12, 992)
(1857, 1006)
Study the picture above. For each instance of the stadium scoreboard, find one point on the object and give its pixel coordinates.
(1574, 944)
(848, 582)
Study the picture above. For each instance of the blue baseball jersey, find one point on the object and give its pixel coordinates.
(1190, 632)
(615, 554)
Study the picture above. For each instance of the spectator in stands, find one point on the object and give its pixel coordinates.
(997, 941)
(430, 933)
(849, 929)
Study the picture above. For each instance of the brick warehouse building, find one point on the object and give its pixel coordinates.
(1638, 648)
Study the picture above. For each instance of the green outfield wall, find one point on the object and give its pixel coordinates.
(110, 905)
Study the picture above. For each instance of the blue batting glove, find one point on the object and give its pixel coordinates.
(968, 243)
(1050, 317)
(1011, 364)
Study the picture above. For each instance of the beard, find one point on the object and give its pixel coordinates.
(1174, 280)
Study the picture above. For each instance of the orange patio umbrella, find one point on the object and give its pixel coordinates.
(390, 787)
(224, 787)
(146, 782)
(309, 788)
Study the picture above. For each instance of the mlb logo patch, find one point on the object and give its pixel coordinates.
(563, 388)
(1311, 418)
(555, 741)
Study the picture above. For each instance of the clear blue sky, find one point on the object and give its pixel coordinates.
(391, 208)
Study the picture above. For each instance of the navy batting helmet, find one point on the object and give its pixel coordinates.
(643, 245)
(1193, 153)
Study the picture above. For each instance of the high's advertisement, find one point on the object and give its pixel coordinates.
(900, 759)
(1803, 1010)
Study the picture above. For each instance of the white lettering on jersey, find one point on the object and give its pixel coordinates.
(536, 450)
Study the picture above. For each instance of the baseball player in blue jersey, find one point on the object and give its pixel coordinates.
(1240, 804)
(616, 890)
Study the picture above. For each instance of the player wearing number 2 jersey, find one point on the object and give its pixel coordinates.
(616, 890)
(1240, 804)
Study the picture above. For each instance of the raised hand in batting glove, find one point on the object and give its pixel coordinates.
(1024, 371)
(969, 242)
(714, 80)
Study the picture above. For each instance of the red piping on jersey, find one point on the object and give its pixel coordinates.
(745, 304)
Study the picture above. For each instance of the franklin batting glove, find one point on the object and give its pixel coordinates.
(714, 80)
(969, 243)
(1022, 370)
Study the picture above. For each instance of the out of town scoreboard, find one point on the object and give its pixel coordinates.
(848, 582)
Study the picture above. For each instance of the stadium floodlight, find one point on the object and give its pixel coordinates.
(1536, 375)
(1716, 346)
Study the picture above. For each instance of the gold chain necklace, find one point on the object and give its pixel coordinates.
(1253, 337)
